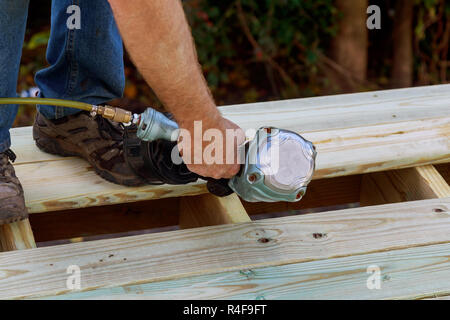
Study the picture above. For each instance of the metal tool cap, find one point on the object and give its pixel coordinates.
(279, 165)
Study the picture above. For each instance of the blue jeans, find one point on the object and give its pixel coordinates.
(85, 64)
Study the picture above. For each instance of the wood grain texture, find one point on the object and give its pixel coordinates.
(444, 170)
(357, 133)
(209, 210)
(216, 249)
(404, 274)
(346, 110)
(320, 193)
(16, 236)
(86, 222)
(409, 184)
(440, 298)
(308, 114)
(158, 213)
(71, 184)
(433, 184)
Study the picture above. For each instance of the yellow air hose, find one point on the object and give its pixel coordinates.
(108, 112)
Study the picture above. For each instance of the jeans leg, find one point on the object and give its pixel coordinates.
(13, 17)
(86, 64)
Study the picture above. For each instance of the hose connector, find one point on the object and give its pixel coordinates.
(113, 113)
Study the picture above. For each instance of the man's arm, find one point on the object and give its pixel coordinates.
(158, 39)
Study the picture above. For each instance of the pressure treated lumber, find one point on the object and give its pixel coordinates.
(226, 248)
(16, 236)
(412, 273)
(409, 184)
(320, 193)
(440, 298)
(354, 134)
(209, 210)
(115, 219)
(444, 171)
(160, 213)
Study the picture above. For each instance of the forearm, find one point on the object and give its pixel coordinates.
(158, 39)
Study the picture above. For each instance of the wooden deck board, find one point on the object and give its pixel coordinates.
(439, 298)
(211, 250)
(357, 133)
(404, 274)
(311, 114)
(345, 110)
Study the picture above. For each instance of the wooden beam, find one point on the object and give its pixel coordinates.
(404, 274)
(158, 213)
(307, 114)
(354, 134)
(409, 184)
(320, 193)
(86, 222)
(209, 210)
(72, 184)
(233, 247)
(432, 184)
(444, 170)
(16, 236)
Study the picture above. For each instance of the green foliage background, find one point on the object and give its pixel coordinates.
(289, 32)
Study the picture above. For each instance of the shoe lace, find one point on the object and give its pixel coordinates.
(11, 155)
(113, 131)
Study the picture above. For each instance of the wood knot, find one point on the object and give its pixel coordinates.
(250, 274)
(264, 240)
(319, 235)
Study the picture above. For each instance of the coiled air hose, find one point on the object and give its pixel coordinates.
(108, 112)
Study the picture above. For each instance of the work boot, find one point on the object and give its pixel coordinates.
(12, 202)
(96, 140)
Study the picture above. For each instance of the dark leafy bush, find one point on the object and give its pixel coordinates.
(263, 49)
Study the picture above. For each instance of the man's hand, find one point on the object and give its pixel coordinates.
(158, 39)
(226, 137)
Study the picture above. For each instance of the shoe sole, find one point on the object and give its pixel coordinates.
(64, 149)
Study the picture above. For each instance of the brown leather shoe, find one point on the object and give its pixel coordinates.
(97, 140)
(12, 202)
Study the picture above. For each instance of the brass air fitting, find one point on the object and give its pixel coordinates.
(114, 114)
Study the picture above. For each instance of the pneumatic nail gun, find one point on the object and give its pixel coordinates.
(278, 164)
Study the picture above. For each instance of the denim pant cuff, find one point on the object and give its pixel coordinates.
(5, 144)
(51, 112)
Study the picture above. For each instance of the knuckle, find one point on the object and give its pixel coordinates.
(216, 175)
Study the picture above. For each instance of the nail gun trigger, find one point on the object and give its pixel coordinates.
(242, 167)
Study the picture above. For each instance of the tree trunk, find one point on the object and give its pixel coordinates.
(402, 69)
(349, 47)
